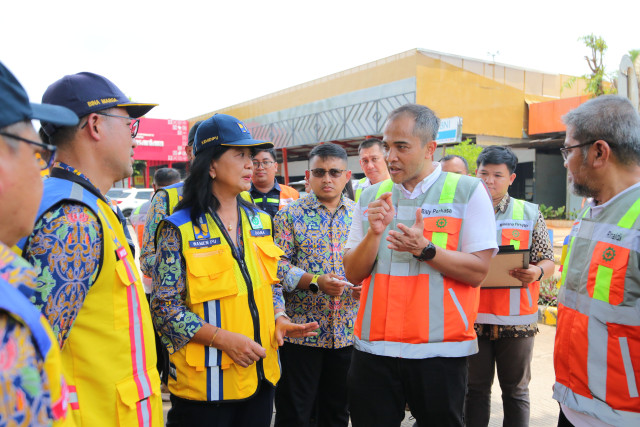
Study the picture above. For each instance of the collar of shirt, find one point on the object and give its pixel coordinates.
(596, 209)
(312, 201)
(275, 187)
(503, 204)
(423, 185)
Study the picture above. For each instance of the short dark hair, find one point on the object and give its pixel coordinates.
(455, 156)
(166, 176)
(611, 118)
(326, 150)
(427, 122)
(271, 152)
(192, 133)
(498, 155)
(370, 142)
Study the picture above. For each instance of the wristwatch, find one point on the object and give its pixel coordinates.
(313, 286)
(427, 253)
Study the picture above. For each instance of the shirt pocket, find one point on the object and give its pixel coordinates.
(268, 255)
(132, 392)
(210, 274)
(125, 276)
(443, 231)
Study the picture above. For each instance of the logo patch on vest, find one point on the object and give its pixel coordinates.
(261, 233)
(204, 243)
(515, 234)
(609, 254)
(255, 222)
(441, 223)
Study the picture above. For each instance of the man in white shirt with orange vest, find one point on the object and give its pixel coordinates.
(597, 348)
(421, 257)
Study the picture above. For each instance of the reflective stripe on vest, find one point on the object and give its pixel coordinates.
(597, 348)
(112, 334)
(222, 291)
(287, 195)
(516, 306)
(407, 308)
(359, 189)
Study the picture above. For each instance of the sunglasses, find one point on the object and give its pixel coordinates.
(334, 173)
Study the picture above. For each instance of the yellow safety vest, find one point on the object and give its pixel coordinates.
(109, 358)
(235, 295)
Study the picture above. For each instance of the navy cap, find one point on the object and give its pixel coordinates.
(15, 106)
(85, 93)
(228, 131)
(192, 132)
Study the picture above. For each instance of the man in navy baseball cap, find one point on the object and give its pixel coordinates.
(30, 372)
(88, 275)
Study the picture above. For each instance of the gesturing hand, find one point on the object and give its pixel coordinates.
(284, 327)
(241, 349)
(409, 239)
(380, 213)
(331, 284)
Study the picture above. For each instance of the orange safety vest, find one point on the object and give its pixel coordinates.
(287, 195)
(597, 346)
(516, 306)
(407, 308)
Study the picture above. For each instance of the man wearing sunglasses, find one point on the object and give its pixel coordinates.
(30, 356)
(266, 192)
(597, 348)
(421, 249)
(312, 232)
(88, 285)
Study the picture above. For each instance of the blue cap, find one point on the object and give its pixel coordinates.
(15, 106)
(228, 131)
(85, 93)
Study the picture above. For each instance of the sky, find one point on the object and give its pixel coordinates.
(193, 57)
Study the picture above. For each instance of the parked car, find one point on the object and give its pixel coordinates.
(128, 199)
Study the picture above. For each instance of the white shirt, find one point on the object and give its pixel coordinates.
(478, 226)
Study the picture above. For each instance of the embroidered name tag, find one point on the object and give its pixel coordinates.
(204, 243)
(261, 233)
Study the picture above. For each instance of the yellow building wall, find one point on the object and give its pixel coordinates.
(490, 97)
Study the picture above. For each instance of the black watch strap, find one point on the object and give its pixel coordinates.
(427, 253)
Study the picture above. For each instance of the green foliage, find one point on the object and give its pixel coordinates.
(634, 53)
(549, 292)
(595, 81)
(469, 151)
(548, 212)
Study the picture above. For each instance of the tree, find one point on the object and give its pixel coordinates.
(633, 54)
(596, 80)
(469, 151)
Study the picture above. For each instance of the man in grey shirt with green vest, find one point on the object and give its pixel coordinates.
(421, 245)
(372, 163)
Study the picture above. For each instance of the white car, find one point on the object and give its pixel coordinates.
(128, 199)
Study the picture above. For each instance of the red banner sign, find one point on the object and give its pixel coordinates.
(163, 140)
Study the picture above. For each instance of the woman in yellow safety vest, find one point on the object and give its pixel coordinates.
(213, 299)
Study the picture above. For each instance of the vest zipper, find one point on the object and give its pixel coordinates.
(253, 308)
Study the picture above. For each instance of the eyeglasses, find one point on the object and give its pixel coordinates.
(135, 123)
(265, 164)
(44, 155)
(334, 173)
(565, 150)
